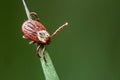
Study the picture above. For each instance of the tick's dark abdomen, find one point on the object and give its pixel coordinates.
(30, 29)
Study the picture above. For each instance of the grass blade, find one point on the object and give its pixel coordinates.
(26, 10)
(48, 68)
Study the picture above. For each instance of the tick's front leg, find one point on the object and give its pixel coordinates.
(59, 29)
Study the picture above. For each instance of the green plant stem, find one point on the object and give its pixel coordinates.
(26, 10)
(48, 68)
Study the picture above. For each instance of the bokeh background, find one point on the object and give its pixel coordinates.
(88, 49)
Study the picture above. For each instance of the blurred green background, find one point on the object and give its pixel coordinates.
(89, 49)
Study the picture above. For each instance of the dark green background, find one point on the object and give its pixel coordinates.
(88, 49)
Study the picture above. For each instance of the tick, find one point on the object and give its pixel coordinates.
(34, 31)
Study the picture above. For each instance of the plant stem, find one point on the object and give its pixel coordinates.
(26, 10)
(48, 68)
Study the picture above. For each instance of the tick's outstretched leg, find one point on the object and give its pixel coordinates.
(43, 53)
(35, 15)
(37, 51)
(59, 29)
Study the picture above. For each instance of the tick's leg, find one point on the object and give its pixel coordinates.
(37, 51)
(35, 15)
(43, 53)
(31, 42)
(24, 37)
(59, 29)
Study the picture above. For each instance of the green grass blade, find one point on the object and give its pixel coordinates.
(26, 10)
(48, 68)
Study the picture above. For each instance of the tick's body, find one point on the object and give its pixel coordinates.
(34, 31)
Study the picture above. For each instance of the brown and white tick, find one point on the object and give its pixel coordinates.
(34, 31)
